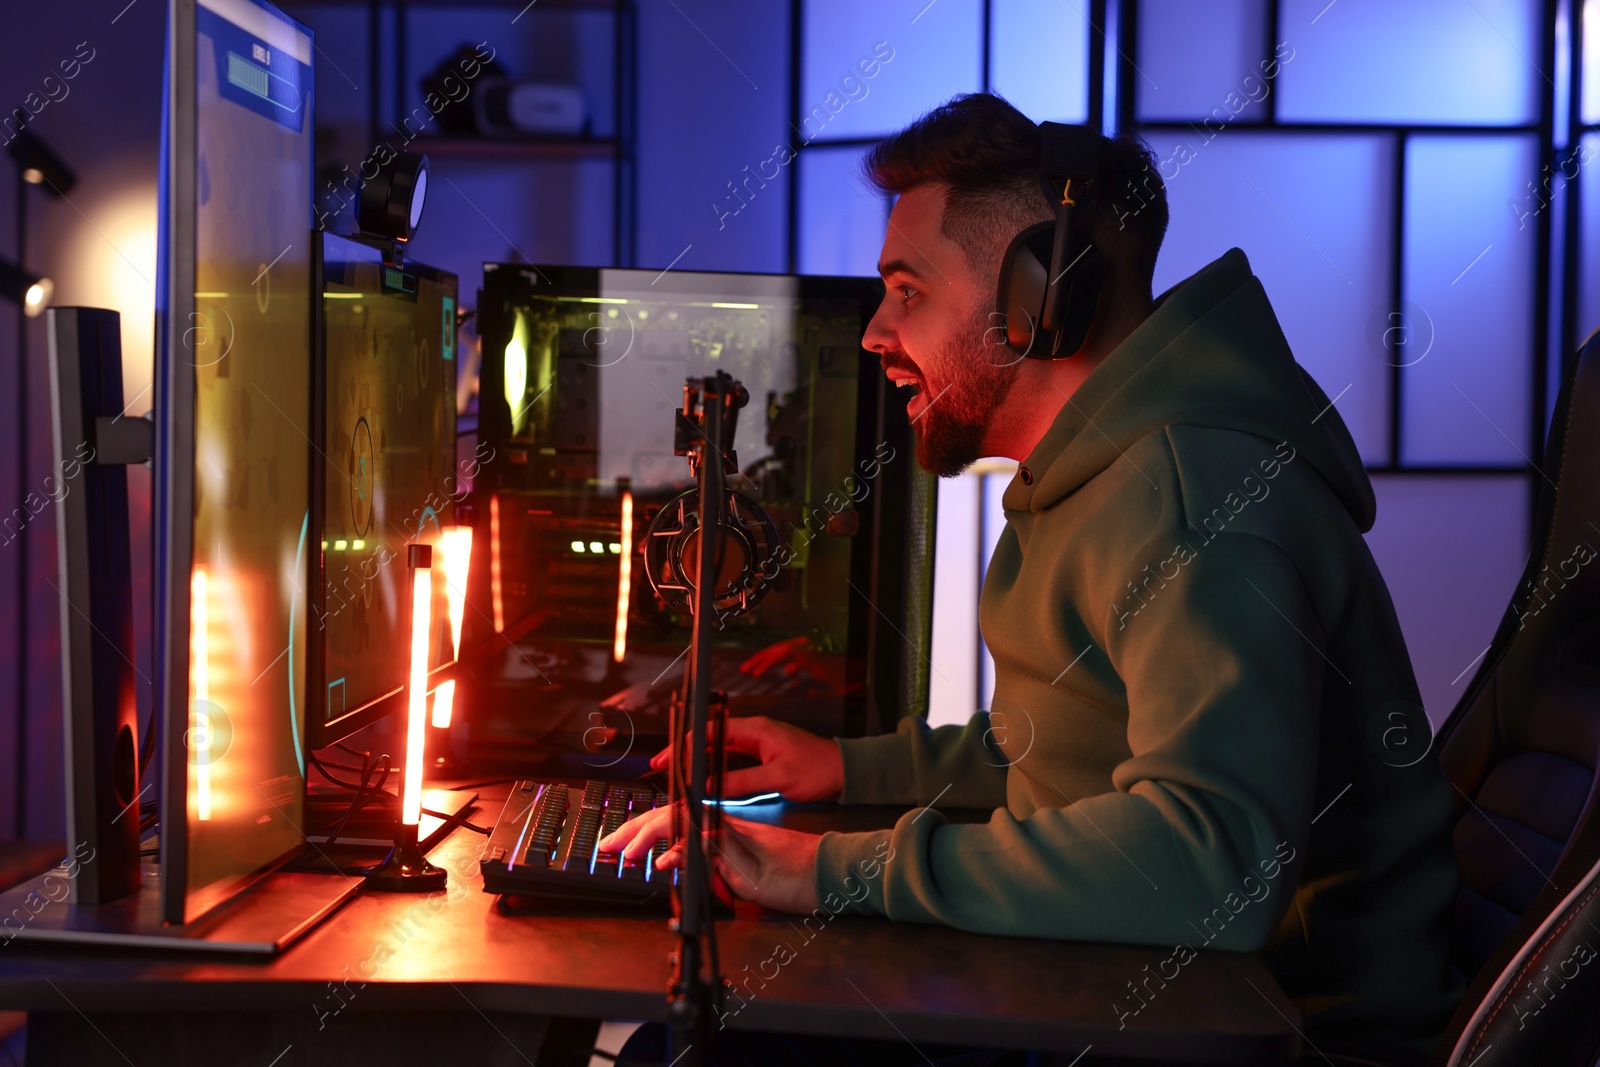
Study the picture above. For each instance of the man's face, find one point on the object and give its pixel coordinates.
(930, 335)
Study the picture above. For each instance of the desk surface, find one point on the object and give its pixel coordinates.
(856, 977)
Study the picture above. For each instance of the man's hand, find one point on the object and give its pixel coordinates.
(771, 866)
(798, 764)
(797, 654)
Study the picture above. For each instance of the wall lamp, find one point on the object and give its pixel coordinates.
(30, 291)
(39, 165)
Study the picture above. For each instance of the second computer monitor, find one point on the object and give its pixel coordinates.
(386, 478)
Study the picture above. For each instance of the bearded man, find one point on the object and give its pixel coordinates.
(1203, 702)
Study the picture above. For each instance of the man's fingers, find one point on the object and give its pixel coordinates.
(764, 659)
(643, 841)
(639, 835)
(749, 781)
(743, 735)
(734, 858)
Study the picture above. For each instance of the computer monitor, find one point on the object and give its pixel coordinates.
(233, 451)
(582, 370)
(385, 478)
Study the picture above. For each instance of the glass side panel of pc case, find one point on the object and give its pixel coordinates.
(582, 371)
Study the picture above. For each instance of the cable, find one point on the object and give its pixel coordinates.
(359, 801)
(491, 781)
(147, 749)
(311, 757)
(147, 746)
(721, 751)
(346, 766)
(342, 747)
(464, 824)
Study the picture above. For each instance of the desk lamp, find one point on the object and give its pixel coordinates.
(406, 869)
(619, 644)
(456, 547)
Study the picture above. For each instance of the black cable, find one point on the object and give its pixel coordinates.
(491, 781)
(359, 801)
(464, 824)
(710, 921)
(335, 779)
(342, 747)
(147, 744)
(147, 749)
(353, 769)
(149, 815)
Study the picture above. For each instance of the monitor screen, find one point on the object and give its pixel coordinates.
(387, 473)
(582, 373)
(233, 452)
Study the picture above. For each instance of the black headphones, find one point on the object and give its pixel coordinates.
(1047, 311)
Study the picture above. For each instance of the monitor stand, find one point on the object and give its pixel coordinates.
(262, 920)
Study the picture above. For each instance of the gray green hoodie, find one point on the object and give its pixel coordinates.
(1205, 730)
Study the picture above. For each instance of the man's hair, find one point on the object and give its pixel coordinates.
(987, 153)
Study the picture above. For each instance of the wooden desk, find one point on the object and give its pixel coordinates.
(448, 980)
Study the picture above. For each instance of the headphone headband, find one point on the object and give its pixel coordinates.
(1067, 152)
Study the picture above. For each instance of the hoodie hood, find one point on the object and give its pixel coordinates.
(1211, 354)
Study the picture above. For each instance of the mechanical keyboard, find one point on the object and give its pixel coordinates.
(545, 845)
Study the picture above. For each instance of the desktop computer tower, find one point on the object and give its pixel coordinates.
(572, 651)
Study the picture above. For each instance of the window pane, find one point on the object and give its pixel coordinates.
(842, 218)
(1039, 61)
(1438, 61)
(918, 55)
(1591, 61)
(994, 521)
(1468, 293)
(953, 686)
(1325, 271)
(1588, 281)
(1430, 533)
(1177, 80)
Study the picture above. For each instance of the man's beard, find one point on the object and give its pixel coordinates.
(952, 429)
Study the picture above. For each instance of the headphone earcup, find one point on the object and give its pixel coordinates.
(1023, 279)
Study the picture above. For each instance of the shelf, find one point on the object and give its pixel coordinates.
(387, 36)
(513, 148)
